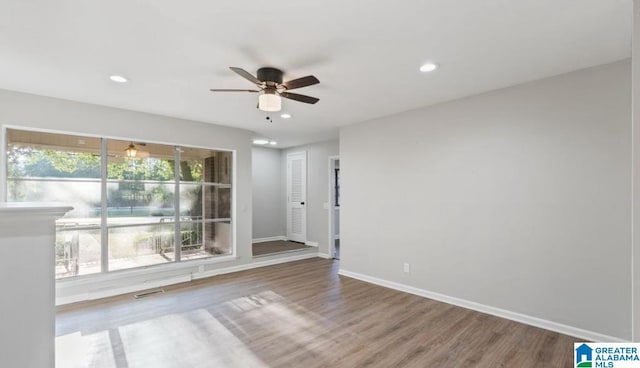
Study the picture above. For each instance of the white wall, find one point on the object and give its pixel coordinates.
(518, 199)
(317, 190)
(635, 307)
(31, 111)
(267, 196)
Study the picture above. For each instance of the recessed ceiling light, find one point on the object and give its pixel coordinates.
(118, 79)
(428, 67)
(273, 143)
(285, 116)
(260, 141)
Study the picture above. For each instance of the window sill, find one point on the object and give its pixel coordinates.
(138, 271)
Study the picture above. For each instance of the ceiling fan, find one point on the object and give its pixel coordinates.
(269, 82)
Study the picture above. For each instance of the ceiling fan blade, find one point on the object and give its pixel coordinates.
(246, 75)
(309, 80)
(299, 97)
(232, 90)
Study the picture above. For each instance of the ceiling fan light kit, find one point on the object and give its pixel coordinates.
(269, 82)
(269, 102)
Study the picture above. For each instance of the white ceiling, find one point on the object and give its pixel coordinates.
(365, 53)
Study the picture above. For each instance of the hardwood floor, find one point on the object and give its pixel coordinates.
(298, 314)
(277, 246)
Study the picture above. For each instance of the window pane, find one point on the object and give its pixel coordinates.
(137, 246)
(191, 170)
(150, 161)
(205, 239)
(47, 155)
(192, 244)
(191, 201)
(217, 237)
(140, 202)
(203, 165)
(140, 188)
(217, 201)
(45, 167)
(192, 163)
(83, 196)
(77, 251)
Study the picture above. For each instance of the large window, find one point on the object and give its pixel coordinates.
(133, 206)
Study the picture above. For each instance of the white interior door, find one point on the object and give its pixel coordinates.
(297, 196)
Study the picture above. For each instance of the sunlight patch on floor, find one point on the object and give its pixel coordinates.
(77, 351)
(226, 334)
(175, 340)
(268, 313)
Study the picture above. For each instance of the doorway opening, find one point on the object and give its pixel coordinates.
(334, 207)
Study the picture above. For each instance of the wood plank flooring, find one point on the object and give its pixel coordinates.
(298, 314)
(277, 246)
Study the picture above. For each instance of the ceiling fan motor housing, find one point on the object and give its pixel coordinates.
(270, 75)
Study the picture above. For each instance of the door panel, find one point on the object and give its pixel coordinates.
(297, 196)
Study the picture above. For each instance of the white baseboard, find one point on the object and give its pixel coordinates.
(311, 244)
(324, 255)
(152, 284)
(518, 317)
(107, 292)
(268, 239)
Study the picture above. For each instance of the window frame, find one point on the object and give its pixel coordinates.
(104, 228)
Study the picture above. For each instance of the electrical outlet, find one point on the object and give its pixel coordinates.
(407, 267)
